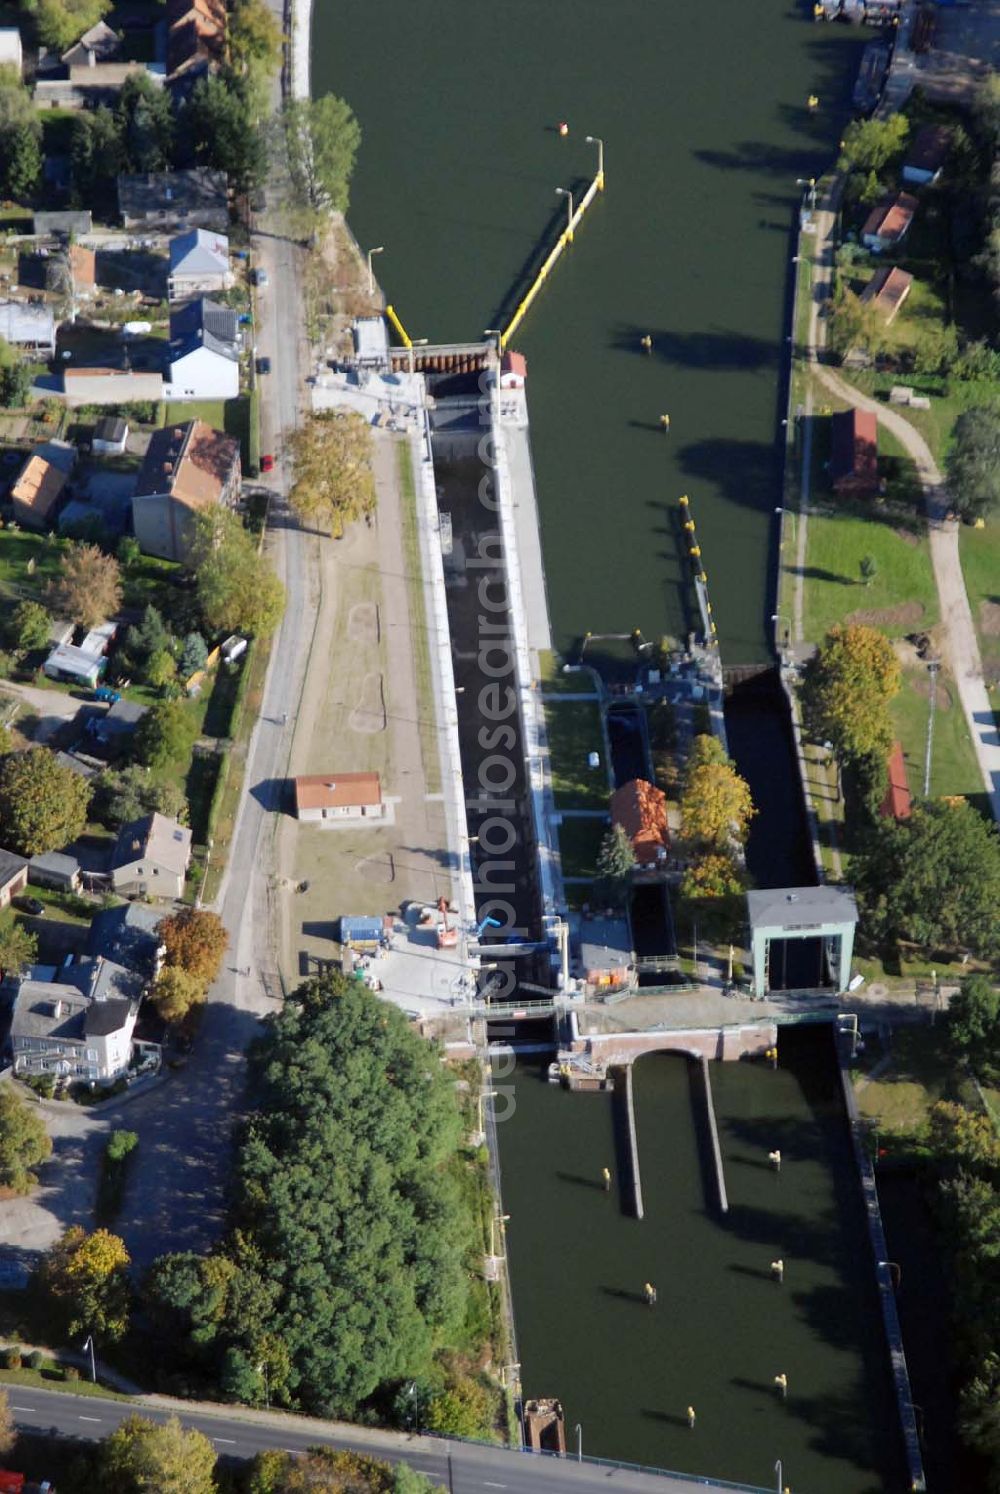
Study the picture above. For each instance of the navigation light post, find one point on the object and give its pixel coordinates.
(579, 1443)
(565, 192)
(596, 140)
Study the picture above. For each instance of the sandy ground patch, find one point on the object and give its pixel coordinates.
(904, 614)
(989, 619)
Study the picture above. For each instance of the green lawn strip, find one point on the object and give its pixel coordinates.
(67, 907)
(574, 731)
(28, 561)
(921, 1073)
(980, 552)
(954, 767)
(579, 843)
(838, 538)
(226, 795)
(150, 582)
(555, 681)
(51, 1378)
(426, 707)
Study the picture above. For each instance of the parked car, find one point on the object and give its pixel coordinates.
(260, 279)
(105, 693)
(267, 462)
(30, 905)
(263, 365)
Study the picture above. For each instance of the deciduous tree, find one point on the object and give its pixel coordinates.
(85, 1277)
(127, 793)
(175, 992)
(145, 120)
(24, 1142)
(334, 484)
(933, 879)
(88, 589)
(716, 806)
(148, 1457)
(18, 949)
(195, 941)
(222, 132)
(29, 627)
(43, 805)
(20, 138)
(166, 733)
(323, 139)
(62, 22)
(973, 463)
(974, 1024)
(237, 590)
(848, 686)
(873, 144)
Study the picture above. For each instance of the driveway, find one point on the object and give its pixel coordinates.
(52, 709)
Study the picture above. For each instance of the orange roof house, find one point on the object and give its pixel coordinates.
(338, 796)
(854, 452)
(888, 289)
(889, 222)
(40, 483)
(641, 810)
(898, 802)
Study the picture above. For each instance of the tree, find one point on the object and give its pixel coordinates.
(873, 144)
(327, 1470)
(121, 1144)
(323, 139)
(973, 463)
(62, 22)
(175, 992)
(344, 1186)
(615, 861)
(974, 1024)
(8, 1427)
(166, 733)
(194, 655)
(95, 155)
(145, 639)
(933, 879)
(237, 590)
(857, 325)
(43, 805)
(148, 1457)
(253, 37)
(463, 1409)
(714, 876)
(161, 668)
(868, 567)
(85, 1276)
(20, 138)
(24, 1142)
(88, 589)
(848, 685)
(128, 793)
(18, 949)
(716, 806)
(29, 627)
(220, 130)
(15, 384)
(334, 483)
(145, 122)
(187, 1297)
(195, 941)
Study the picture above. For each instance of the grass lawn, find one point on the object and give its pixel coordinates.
(555, 681)
(574, 731)
(52, 1378)
(579, 843)
(28, 561)
(901, 598)
(67, 907)
(427, 707)
(921, 1073)
(954, 769)
(980, 551)
(150, 582)
(948, 400)
(229, 415)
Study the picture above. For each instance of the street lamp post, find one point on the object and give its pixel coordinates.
(792, 515)
(413, 1395)
(418, 342)
(565, 192)
(596, 140)
(778, 618)
(89, 1344)
(810, 183)
(579, 1443)
(504, 1219)
(779, 1470)
(379, 249)
(933, 665)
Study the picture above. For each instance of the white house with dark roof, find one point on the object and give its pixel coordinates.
(199, 263)
(151, 858)
(204, 352)
(76, 1022)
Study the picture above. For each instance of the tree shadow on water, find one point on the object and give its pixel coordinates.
(717, 348)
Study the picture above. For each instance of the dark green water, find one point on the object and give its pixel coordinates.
(721, 1328)
(703, 110)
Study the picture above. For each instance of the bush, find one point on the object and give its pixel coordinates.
(36, 1359)
(71, 1372)
(12, 1359)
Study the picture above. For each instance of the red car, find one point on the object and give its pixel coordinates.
(267, 463)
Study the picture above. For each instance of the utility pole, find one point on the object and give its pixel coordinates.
(933, 665)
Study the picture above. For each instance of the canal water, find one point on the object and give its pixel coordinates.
(722, 1328)
(703, 109)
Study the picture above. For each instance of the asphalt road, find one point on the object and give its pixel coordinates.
(462, 1468)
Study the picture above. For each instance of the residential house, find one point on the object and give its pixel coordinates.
(898, 801)
(888, 224)
(888, 289)
(641, 810)
(99, 44)
(205, 347)
(151, 858)
(62, 224)
(196, 38)
(926, 156)
(854, 453)
(187, 468)
(28, 328)
(11, 51)
(110, 435)
(115, 728)
(83, 663)
(13, 876)
(55, 869)
(199, 263)
(339, 797)
(129, 935)
(38, 487)
(198, 198)
(76, 1022)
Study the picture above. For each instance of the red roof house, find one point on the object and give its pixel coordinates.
(888, 289)
(898, 801)
(889, 223)
(513, 371)
(854, 452)
(641, 810)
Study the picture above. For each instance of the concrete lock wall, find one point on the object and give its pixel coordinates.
(724, 1043)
